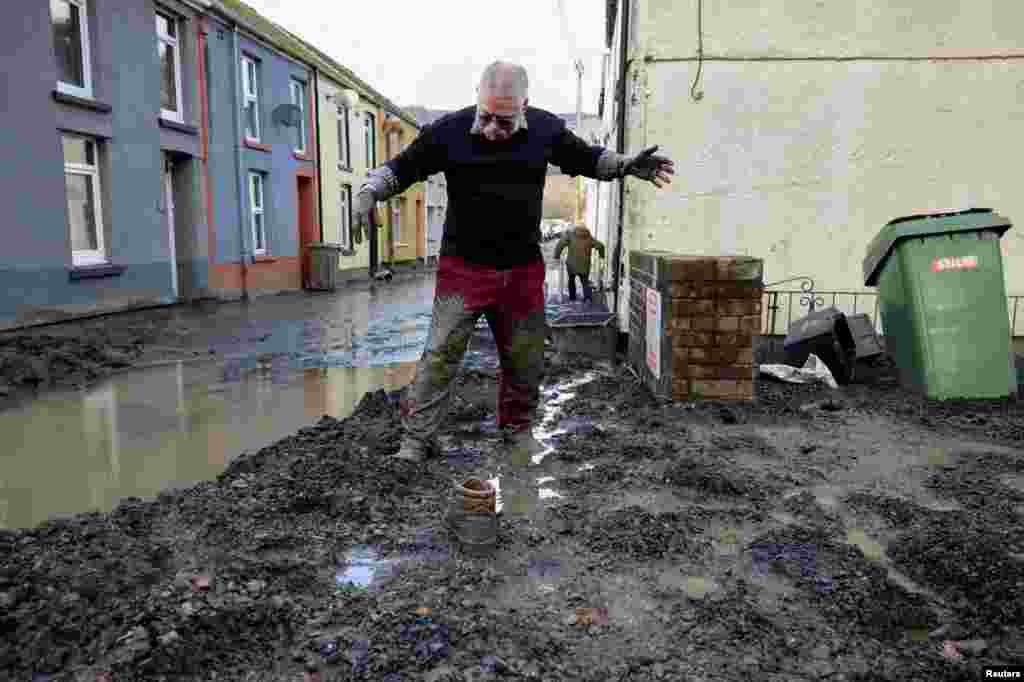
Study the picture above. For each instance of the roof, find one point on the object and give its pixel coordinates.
(299, 49)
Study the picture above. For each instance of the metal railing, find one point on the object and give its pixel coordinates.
(782, 306)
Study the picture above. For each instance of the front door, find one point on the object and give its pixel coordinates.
(308, 232)
(169, 204)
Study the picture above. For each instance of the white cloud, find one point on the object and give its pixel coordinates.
(431, 54)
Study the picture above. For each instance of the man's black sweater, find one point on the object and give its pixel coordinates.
(495, 189)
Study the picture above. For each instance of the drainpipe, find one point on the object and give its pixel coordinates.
(240, 181)
(319, 157)
(621, 145)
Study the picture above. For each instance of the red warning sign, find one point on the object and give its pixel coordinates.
(954, 263)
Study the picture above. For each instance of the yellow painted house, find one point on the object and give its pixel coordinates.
(354, 125)
(406, 239)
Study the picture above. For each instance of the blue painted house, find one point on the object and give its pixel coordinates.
(103, 187)
(262, 158)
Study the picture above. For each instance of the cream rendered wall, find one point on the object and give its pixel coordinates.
(333, 175)
(802, 161)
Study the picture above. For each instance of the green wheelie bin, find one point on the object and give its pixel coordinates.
(942, 297)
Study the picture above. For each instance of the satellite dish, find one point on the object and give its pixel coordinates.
(287, 115)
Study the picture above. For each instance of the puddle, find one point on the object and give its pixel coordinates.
(361, 566)
(549, 493)
(586, 467)
(170, 426)
(554, 424)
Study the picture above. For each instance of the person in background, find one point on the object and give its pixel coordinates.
(580, 243)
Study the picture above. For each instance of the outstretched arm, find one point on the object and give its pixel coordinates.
(575, 157)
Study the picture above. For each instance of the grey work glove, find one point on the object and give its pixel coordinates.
(363, 210)
(649, 166)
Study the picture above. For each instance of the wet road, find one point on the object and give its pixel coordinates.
(282, 363)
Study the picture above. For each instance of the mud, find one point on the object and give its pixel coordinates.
(808, 535)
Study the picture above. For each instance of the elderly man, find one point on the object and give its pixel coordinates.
(495, 158)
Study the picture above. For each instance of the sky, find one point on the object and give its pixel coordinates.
(432, 53)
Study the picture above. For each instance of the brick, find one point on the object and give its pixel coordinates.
(745, 389)
(689, 268)
(735, 372)
(680, 387)
(745, 356)
(738, 290)
(724, 356)
(704, 371)
(750, 323)
(684, 290)
(727, 324)
(740, 269)
(734, 339)
(692, 339)
(741, 307)
(704, 324)
(693, 307)
(718, 388)
(699, 354)
(679, 324)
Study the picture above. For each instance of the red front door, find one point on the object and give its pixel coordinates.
(308, 232)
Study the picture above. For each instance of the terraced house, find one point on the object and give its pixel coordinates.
(352, 122)
(102, 190)
(262, 159)
(169, 150)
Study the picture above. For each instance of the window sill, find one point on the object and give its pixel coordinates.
(77, 272)
(299, 156)
(82, 102)
(264, 259)
(179, 127)
(258, 146)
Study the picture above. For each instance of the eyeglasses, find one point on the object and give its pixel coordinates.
(504, 122)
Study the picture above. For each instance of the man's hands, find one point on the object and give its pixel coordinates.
(649, 166)
(363, 210)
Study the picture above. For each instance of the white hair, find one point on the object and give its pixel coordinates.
(505, 78)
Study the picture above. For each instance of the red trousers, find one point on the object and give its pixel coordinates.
(513, 302)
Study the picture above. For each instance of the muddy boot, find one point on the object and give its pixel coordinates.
(472, 518)
(416, 451)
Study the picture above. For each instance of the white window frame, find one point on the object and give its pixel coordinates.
(344, 139)
(69, 88)
(260, 210)
(173, 44)
(396, 221)
(370, 139)
(346, 215)
(297, 86)
(98, 256)
(251, 96)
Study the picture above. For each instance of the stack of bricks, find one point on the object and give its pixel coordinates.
(705, 314)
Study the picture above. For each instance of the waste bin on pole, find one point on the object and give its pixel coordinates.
(942, 298)
(323, 266)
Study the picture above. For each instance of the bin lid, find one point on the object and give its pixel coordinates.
(921, 225)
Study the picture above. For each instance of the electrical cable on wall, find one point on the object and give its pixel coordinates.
(698, 95)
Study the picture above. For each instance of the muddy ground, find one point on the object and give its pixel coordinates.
(812, 534)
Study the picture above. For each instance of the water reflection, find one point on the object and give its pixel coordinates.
(170, 426)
